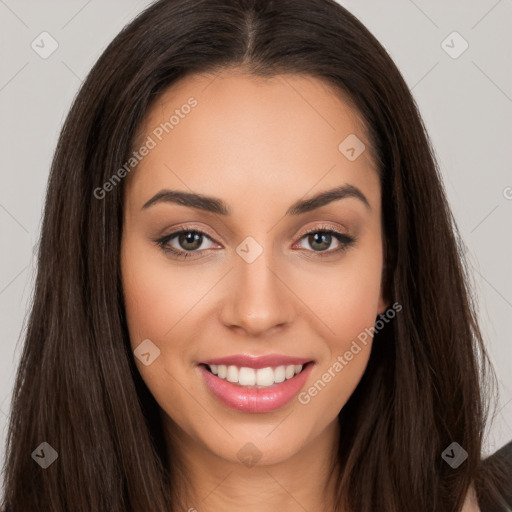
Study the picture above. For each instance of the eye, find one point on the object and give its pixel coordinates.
(320, 239)
(186, 240)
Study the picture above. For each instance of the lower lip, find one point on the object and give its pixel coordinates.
(247, 399)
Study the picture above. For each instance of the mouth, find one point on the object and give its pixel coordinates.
(255, 390)
(255, 378)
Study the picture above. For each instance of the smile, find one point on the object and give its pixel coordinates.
(255, 388)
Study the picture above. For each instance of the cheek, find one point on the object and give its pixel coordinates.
(350, 316)
(157, 295)
(344, 297)
(157, 299)
(346, 300)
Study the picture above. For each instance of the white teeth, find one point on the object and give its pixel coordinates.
(247, 376)
(263, 377)
(232, 375)
(280, 374)
(290, 371)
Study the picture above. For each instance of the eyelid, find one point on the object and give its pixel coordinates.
(175, 230)
(317, 227)
(322, 227)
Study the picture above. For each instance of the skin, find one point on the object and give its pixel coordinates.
(259, 145)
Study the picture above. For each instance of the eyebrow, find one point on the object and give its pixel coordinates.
(215, 205)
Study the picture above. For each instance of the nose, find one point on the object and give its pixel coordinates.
(257, 297)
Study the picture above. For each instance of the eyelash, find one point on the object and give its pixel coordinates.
(345, 240)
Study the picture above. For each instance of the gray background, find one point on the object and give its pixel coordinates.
(466, 103)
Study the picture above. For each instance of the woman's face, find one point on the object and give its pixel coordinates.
(250, 282)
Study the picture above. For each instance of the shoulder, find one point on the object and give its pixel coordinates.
(470, 503)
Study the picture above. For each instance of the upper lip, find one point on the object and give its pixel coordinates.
(256, 362)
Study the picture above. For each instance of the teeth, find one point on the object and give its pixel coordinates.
(263, 377)
(232, 374)
(280, 374)
(289, 372)
(247, 376)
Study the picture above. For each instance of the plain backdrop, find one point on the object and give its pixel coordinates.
(465, 98)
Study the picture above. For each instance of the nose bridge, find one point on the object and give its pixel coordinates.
(258, 300)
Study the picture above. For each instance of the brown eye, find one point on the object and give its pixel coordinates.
(319, 240)
(190, 240)
(184, 242)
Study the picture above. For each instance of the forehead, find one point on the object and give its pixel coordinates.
(257, 134)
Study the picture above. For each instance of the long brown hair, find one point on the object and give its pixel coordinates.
(77, 386)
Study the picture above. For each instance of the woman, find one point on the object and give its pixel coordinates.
(250, 293)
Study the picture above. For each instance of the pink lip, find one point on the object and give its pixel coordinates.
(256, 362)
(253, 399)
